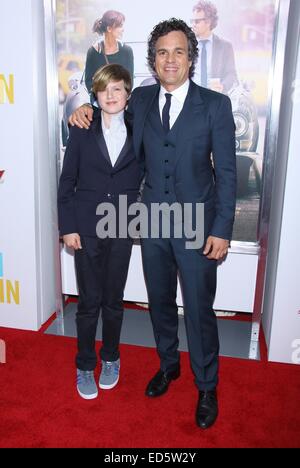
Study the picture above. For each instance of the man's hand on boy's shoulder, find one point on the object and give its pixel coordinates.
(82, 117)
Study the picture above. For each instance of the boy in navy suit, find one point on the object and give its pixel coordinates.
(99, 166)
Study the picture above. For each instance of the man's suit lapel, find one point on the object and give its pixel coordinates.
(189, 120)
(142, 108)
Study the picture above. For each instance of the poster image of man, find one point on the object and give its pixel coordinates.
(215, 67)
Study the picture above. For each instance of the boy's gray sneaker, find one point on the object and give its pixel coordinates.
(86, 385)
(109, 374)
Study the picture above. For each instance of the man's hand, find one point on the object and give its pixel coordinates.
(72, 241)
(216, 248)
(82, 117)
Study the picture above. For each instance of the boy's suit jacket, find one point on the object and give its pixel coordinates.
(88, 178)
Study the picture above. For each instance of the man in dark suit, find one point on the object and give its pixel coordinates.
(215, 67)
(176, 127)
(99, 165)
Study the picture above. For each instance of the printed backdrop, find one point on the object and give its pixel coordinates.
(248, 25)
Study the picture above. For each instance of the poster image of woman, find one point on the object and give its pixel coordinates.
(108, 48)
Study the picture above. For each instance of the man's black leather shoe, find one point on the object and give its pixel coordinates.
(160, 382)
(207, 409)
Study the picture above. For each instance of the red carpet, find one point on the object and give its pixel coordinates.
(39, 406)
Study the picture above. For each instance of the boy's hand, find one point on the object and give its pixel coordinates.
(82, 116)
(72, 241)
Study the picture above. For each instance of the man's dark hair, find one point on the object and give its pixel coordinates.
(210, 11)
(165, 27)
